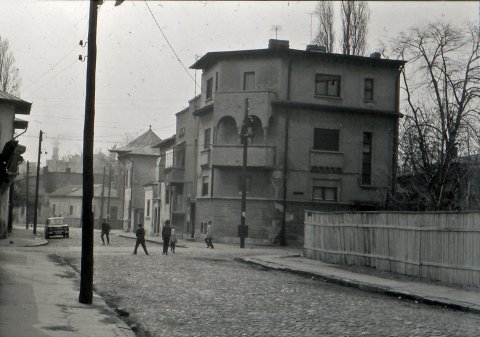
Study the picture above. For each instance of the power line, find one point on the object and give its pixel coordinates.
(168, 42)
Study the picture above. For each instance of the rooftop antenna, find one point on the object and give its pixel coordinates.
(276, 28)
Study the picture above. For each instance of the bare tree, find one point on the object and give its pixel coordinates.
(441, 85)
(355, 16)
(9, 75)
(326, 34)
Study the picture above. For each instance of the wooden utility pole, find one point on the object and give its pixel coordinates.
(35, 214)
(109, 189)
(86, 273)
(26, 192)
(101, 198)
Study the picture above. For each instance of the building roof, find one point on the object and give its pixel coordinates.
(76, 191)
(211, 58)
(166, 143)
(141, 145)
(21, 106)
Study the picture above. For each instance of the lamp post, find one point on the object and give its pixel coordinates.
(243, 229)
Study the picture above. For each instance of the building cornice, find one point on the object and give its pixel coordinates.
(334, 108)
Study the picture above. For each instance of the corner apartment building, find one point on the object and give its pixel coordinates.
(323, 132)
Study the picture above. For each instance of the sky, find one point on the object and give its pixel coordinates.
(143, 75)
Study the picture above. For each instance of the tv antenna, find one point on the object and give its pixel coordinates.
(276, 28)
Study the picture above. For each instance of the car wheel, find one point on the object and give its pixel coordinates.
(68, 235)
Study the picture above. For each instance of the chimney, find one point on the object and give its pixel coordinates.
(316, 48)
(278, 44)
(376, 55)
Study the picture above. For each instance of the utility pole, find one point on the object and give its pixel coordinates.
(109, 189)
(86, 272)
(101, 198)
(10, 206)
(37, 183)
(26, 196)
(243, 229)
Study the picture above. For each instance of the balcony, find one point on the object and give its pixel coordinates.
(233, 103)
(174, 175)
(232, 155)
(326, 161)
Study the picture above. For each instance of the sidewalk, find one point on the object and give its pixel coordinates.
(39, 296)
(22, 237)
(423, 292)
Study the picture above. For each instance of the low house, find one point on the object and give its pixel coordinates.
(67, 202)
(10, 106)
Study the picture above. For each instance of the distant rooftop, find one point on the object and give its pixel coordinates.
(141, 145)
(21, 106)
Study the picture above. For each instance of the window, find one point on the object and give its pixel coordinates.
(53, 210)
(324, 190)
(208, 94)
(148, 207)
(169, 158)
(326, 139)
(206, 139)
(327, 85)
(249, 81)
(113, 212)
(71, 210)
(368, 89)
(167, 194)
(204, 185)
(367, 159)
(216, 81)
(182, 131)
(247, 183)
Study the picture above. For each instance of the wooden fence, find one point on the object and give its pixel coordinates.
(435, 246)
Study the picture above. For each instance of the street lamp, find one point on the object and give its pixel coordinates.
(246, 133)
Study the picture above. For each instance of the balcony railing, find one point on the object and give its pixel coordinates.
(326, 160)
(232, 155)
(260, 103)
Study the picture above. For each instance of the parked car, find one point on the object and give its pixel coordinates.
(56, 226)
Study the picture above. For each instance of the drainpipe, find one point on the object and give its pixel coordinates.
(283, 240)
(393, 188)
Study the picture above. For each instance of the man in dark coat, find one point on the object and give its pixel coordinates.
(140, 239)
(166, 233)
(105, 231)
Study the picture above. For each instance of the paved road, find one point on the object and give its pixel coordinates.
(204, 292)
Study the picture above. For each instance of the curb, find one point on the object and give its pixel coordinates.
(368, 287)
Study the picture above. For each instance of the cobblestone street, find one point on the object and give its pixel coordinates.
(205, 292)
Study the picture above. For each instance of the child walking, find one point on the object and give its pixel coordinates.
(173, 240)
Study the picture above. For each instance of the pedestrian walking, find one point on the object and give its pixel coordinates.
(140, 239)
(173, 241)
(105, 231)
(166, 233)
(209, 237)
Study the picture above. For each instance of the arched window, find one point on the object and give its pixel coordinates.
(227, 132)
(257, 130)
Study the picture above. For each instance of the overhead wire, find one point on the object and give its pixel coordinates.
(170, 45)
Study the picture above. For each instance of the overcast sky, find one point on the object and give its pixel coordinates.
(140, 81)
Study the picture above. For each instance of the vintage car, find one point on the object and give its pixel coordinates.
(56, 226)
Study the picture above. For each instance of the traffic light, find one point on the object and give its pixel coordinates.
(10, 157)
